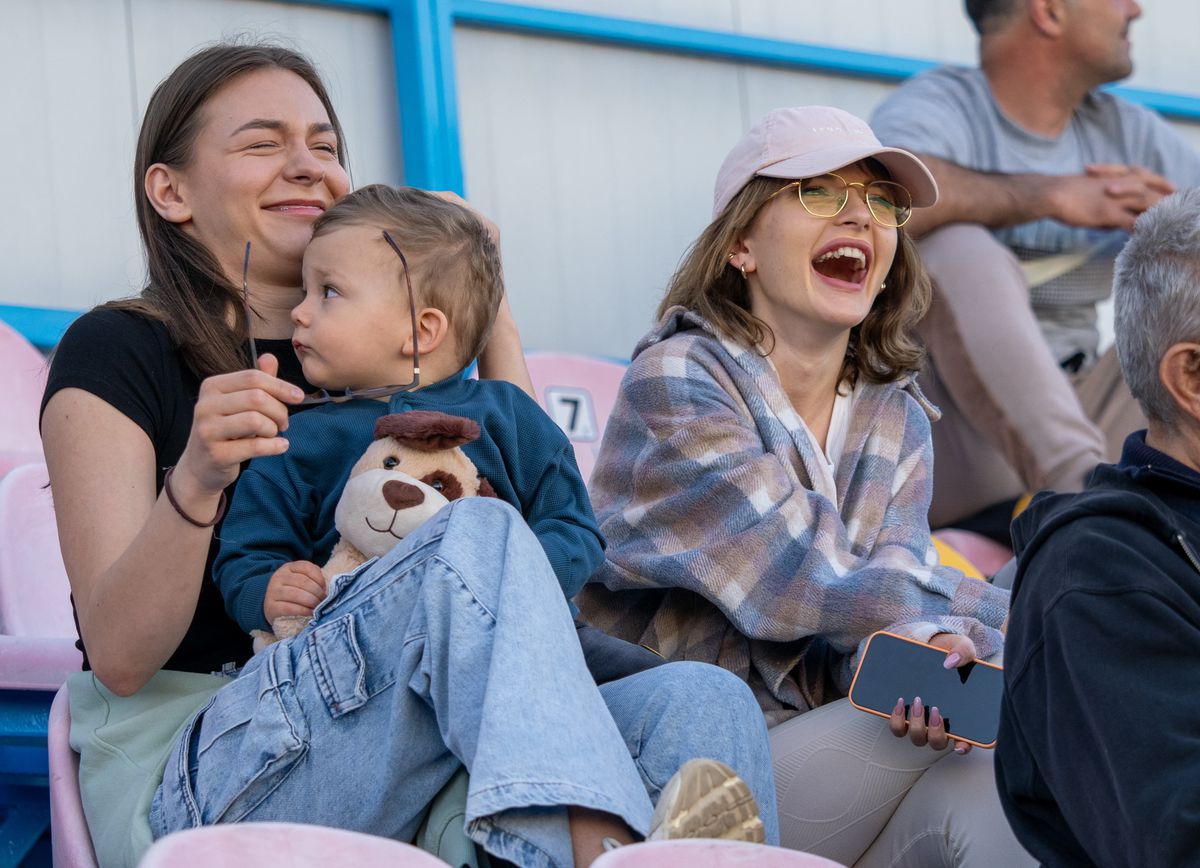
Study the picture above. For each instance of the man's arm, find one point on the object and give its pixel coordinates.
(1109, 198)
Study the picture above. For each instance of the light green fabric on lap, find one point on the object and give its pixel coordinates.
(442, 833)
(123, 743)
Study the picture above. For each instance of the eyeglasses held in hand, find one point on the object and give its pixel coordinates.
(890, 203)
(322, 396)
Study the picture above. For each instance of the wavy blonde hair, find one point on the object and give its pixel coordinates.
(881, 347)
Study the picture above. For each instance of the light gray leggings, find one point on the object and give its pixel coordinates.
(851, 791)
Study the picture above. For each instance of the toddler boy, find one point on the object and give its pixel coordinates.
(355, 330)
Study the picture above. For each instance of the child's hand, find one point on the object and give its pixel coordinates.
(295, 589)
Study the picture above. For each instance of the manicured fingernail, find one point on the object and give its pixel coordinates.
(918, 710)
(952, 660)
(960, 748)
(899, 709)
(297, 394)
(935, 717)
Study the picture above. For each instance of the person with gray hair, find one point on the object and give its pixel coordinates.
(1041, 175)
(1105, 618)
(1162, 268)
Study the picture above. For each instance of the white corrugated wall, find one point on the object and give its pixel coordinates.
(597, 162)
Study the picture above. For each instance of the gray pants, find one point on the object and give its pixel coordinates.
(851, 791)
(1012, 421)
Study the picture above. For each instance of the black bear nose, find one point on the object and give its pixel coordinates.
(402, 495)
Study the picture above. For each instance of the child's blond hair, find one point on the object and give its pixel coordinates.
(453, 262)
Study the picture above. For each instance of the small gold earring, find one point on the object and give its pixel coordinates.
(744, 273)
(883, 286)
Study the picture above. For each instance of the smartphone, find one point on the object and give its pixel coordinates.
(968, 697)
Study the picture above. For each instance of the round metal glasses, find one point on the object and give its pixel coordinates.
(826, 195)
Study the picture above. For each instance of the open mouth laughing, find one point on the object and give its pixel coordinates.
(844, 263)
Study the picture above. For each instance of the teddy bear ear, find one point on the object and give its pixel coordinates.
(426, 430)
(485, 487)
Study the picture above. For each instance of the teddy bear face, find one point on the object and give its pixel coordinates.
(413, 468)
(448, 472)
(394, 488)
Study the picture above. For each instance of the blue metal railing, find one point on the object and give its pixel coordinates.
(740, 48)
(41, 326)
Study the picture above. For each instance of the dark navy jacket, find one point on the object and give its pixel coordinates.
(1098, 758)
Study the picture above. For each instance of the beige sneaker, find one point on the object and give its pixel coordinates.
(706, 799)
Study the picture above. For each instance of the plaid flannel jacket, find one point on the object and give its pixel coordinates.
(721, 547)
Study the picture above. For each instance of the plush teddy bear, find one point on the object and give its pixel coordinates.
(413, 468)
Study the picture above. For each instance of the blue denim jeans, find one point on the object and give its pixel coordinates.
(455, 648)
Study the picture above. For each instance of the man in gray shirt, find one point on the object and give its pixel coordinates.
(1041, 178)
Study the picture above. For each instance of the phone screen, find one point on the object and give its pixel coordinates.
(968, 697)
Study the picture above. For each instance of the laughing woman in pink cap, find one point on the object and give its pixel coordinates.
(764, 483)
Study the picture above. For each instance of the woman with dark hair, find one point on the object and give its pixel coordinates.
(457, 648)
(764, 481)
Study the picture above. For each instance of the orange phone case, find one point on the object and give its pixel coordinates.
(987, 746)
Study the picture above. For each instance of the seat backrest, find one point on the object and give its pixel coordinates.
(281, 845)
(22, 381)
(37, 662)
(70, 842)
(708, 853)
(985, 554)
(578, 392)
(34, 592)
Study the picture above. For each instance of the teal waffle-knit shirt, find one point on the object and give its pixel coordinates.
(283, 506)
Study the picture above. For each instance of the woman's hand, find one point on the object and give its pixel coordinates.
(960, 651)
(493, 230)
(502, 358)
(239, 416)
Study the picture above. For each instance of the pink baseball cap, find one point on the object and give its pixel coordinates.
(811, 140)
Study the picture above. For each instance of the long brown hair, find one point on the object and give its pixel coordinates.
(881, 348)
(186, 288)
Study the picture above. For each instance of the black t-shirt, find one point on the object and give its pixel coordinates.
(130, 362)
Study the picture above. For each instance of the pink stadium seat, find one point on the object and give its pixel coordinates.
(13, 458)
(37, 632)
(986, 554)
(37, 662)
(578, 392)
(702, 853)
(34, 593)
(22, 381)
(281, 845)
(70, 842)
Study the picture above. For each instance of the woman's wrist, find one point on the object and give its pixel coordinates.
(503, 357)
(197, 504)
(504, 343)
